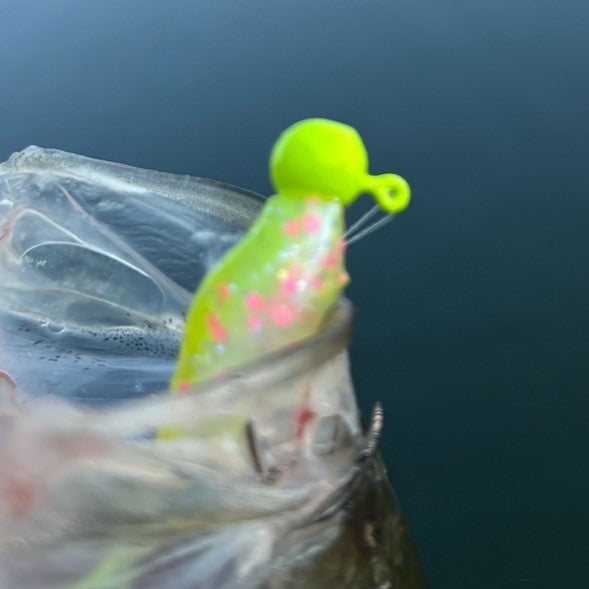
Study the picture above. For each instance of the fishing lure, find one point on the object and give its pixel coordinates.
(275, 286)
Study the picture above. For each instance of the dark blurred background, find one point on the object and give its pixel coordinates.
(472, 316)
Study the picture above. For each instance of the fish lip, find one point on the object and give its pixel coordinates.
(347, 487)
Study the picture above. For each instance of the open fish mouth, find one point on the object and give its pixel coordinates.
(276, 486)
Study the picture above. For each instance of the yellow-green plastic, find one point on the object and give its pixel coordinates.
(274, 287)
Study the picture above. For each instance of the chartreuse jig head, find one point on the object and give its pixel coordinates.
(274, 287)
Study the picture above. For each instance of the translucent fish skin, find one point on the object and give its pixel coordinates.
(269, 291)
(98, 263)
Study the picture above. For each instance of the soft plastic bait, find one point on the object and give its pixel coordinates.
(274, 287)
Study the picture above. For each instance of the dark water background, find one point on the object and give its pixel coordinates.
(472, 315)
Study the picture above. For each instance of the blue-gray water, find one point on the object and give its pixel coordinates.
(472, 315)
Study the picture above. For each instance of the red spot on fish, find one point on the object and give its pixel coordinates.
(19, 496)
(341, 244)
(282, 314)
(312, 223)
(224, 291)
(292, 227)
(305, 414)
(218, 332)
(6, 382)
(254, 301)
(343, 278)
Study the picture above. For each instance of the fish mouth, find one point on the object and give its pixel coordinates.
(246, 472)
(93, 304)
(275, 450)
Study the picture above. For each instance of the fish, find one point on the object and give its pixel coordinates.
(90, 496)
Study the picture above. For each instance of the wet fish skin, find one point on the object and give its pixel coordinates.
(202, 516)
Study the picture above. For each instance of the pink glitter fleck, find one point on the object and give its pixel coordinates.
(290, 285)
(184, 386)
(254, 323)
(292, 227)
(312, 223)
(341, 244)
(218, 332)
(330, 260)
(282, 315)
(316, 282)
(224, 291)
(254, 301)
